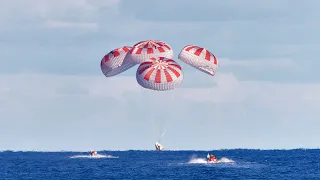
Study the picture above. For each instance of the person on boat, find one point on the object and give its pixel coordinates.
(92, 153)
(211, 158)
(208, 156)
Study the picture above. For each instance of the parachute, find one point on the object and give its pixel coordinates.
(199, 58)
(161, 74)
(144, 50)
(157, 72)
(113, 63)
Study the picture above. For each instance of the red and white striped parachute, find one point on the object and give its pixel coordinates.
(199, 58)
(113, 63)
(144, 50)
(159, 74)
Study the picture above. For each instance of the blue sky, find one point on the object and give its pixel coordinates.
(53, 95)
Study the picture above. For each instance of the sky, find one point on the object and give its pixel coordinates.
(53, 95)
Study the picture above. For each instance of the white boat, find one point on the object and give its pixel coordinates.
(158, 146)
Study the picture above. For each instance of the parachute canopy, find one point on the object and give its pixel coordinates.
(199, 58)
(144, 50)
(113, 63)
(159, 74)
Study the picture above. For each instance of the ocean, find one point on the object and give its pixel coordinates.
(234, 164)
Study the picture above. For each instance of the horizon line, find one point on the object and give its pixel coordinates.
(168, 150)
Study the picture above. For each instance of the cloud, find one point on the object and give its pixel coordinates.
(78, 33)
(49, 111)
(51, 9)
(262, 64)
(71, 25)
(217, 11)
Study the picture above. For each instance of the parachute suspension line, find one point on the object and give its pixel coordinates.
(159, 74)
(170, 98)
(159, 118)
(145, 99)
(161, 135)
(170, 117)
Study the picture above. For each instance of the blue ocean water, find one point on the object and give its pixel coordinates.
(235, 164)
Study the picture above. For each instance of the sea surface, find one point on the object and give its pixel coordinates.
(234, 164)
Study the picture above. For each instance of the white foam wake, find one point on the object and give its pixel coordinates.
(225, 160)
(197, 161)
(204, 161)
(97, 156)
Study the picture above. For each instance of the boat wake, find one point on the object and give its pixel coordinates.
(204, 161)
(97, 156)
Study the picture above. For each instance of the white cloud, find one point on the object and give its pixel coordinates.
(19, 10)
(227, 89)
(51, 24)
(46, 111)
(44, 8)
(262, 64)
(227, 10)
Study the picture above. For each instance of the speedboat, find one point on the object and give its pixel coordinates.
(212, 159)
(93, 153)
